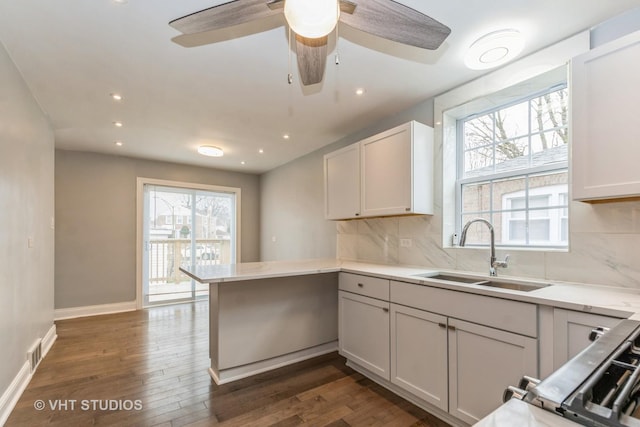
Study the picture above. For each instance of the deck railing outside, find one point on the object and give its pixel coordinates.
(166, 256)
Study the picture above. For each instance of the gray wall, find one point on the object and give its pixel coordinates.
(26, 211)
(95, 238)
(292, 197)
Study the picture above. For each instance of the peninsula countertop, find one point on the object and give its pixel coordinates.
(597, 299)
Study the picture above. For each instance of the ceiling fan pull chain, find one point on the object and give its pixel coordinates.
(338, 39)
(289, 74)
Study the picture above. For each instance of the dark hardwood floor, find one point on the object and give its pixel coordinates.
(149, 367)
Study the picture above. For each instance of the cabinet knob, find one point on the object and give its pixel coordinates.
(442, 325)
(360, 285)
(407, 209)
(451, 327)
(357, 214)
(385, 309)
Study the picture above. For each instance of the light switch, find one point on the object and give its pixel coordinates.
(30, 242)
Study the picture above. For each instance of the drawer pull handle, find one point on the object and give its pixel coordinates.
(442, 325)
(385, 309)
(451, 328)
(360, 285)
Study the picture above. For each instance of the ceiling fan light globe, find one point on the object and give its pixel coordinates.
(312, 18)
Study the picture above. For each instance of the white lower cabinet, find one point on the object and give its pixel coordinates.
(364, 331)
(419, 354)
(457, 366)
(571, 331)
(483, 362)
(414, 339)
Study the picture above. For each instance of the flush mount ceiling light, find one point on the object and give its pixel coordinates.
(312, 19)
(494, 49)
(210, 150)
(118, 124)
(116, 96)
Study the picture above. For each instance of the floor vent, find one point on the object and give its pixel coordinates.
(34, 355)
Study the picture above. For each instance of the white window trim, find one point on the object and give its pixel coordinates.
(450, 106)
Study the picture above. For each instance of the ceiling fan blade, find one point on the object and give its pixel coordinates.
(312, 58)
(226, 15)
(397, 22)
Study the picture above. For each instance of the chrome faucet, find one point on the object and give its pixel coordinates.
(493, 263)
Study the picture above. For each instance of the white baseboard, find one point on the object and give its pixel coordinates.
(48, 340)
(93, 310)
(11, 395)
(225, 376)
(20, 382)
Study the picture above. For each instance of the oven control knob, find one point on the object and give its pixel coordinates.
(597, 333)
(527, 383)
(513, 393)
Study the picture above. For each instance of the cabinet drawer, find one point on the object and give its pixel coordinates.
(513, 316)
(364, 285)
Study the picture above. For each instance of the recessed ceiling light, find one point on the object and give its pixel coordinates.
(359, 91)
(242, 162)
(121, 1)
(116, 97)
(286, 136)
(261, 151)
(118, 143)
(117, 124)
(210, 150)
(494, 49)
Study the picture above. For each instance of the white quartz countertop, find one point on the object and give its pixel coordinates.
(518, 413)
(609, 301)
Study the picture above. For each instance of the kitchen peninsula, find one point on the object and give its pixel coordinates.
(267, 315)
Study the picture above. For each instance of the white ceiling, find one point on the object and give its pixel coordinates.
(234, 94)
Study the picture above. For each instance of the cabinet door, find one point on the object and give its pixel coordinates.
(419, 354)
(342, 183)
(483, 362)
(364, 332)
(605, 83)
(571, 331)
(386, 163)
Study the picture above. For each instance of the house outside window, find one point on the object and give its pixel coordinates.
(512, 171)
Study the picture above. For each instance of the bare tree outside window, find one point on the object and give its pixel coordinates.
(514, 170)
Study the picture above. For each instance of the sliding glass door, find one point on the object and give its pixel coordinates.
(184, 226)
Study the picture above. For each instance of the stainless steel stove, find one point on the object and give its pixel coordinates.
(598, 387)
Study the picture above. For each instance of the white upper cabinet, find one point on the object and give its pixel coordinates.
(342, 183)
(392, 176)
(605, 83)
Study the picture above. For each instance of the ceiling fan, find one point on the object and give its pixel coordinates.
(311, 21)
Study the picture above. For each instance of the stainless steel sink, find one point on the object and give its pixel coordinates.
(494, 283)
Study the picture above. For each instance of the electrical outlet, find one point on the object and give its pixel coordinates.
(405, 243)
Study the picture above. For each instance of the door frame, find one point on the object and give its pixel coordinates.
(140, 183)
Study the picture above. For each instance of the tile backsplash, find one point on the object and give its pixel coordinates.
(604, 246)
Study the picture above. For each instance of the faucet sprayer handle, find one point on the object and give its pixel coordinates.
(502, 264)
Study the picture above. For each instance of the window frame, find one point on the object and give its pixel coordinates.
(525, 173)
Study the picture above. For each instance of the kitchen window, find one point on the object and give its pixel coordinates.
(512, 171)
